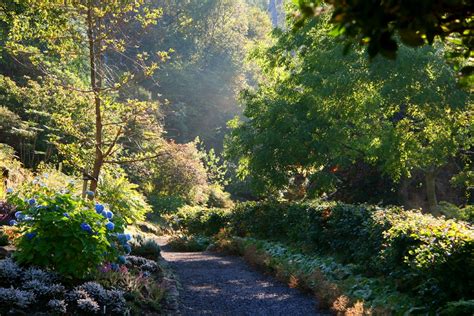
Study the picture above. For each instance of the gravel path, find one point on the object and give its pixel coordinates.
(215, 284)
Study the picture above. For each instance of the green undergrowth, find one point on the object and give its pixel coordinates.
(191, 243)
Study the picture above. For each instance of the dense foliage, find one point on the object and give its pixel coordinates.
(66, 234)
(319, 111)
(378, 24)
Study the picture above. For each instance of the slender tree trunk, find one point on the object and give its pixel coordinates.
(430, 182)
(272, 7)
(96, 83)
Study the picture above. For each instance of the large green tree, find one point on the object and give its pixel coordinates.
(378, 24)
(319, 110)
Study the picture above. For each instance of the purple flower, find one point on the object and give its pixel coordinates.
(109, 214)
(66, 215)
(19, 215)
(86, 227)
(32, 201)
(12, 222)
(110, 226)
(30, 236)
(99, 208)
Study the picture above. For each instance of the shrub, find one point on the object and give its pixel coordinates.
(189, 243)
(452, 211)
(145, 247)
(166, 204)
(123, 197)
(199, 220)
(431, 256)
(439, 252)
(65, 233)
(218, 197)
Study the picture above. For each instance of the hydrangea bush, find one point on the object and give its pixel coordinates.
(66, 233)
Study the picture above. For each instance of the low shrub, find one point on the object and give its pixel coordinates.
(66, 233)
(188, 243)
(465, 213)
(198, 220)
(122, 196)
(145, 247)
(134, 288)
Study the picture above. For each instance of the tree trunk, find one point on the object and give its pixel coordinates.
(430, 182)
(96, 84)
(272, 7)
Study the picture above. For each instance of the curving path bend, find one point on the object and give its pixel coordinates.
(216, 284)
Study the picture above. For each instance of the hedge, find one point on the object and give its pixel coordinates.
(434, 257)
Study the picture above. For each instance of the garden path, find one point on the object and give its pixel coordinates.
(217, 284)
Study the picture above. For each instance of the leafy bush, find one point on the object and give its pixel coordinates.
(198, 220)
(166, 204)
(65, 233)
(431, 256)
(17, 174)
(189, 243)
(452, 211)
(439, 253)
(218, 197)
(123, 197)
(145, 247)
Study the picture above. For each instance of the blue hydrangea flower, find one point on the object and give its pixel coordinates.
(32, 201)
(30, 236)
(86, 227)
(123, 238)
(127, 249)
(99, 208)
(110, 226)
(114, 266)
(12, 222)
(122, 260)
(19, 215)
(109, 214)
(9, 190)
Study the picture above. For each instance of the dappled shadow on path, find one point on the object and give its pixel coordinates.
(215, 284)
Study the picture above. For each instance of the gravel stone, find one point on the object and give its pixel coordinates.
(217, 284)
